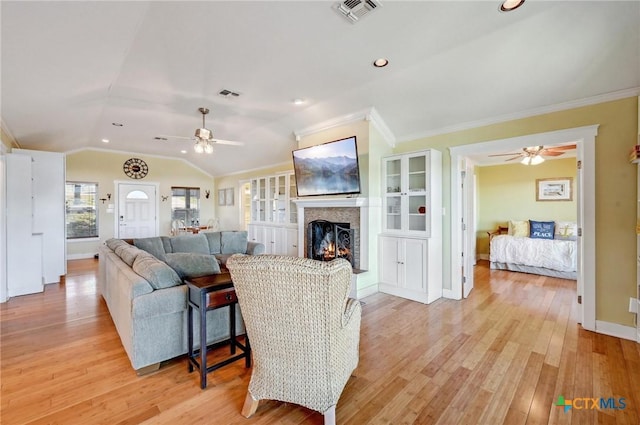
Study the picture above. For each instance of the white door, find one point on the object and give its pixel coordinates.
(137, 210)
(468, 226)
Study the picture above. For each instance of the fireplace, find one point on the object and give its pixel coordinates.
(327, 240)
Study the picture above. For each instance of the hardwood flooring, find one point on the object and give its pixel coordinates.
(503, 356)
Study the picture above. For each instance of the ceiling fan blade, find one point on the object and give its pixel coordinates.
(505, 154)
(166, 137)
(227, 142)
(561, 148)
(546, 152)
(515, 157)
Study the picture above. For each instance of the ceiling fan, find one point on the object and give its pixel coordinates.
(535, 154)
(203, 137)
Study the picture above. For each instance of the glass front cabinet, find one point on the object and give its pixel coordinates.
(410, 245)
(408, 191)
(274, 214)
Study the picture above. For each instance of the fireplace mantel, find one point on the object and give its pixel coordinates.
(356, 202)
(331, 202)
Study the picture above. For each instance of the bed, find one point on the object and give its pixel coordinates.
(548, 257)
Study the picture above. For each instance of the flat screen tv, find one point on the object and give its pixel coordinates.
(327, 169)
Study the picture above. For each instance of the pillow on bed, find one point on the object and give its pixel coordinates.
(566, 230)
(541, 229)
(519, 229)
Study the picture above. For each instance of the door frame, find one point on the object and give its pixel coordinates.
(116, 185)
(585, 138)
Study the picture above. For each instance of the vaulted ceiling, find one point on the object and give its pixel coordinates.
(72, 69)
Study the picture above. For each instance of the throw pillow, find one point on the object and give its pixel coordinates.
(152, 245)
(519, 229)
(193, 265)
(541, 229)
(566, 230)
(157, 273)
(190, 243)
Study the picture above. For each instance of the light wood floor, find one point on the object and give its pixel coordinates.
(502, 356)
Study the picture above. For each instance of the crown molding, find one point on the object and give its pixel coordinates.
(370, 114)
(602, 98)
(7, 144)
(116, 151)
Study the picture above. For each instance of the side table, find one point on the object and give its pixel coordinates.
(209, 293)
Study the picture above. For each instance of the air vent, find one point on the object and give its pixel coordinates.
(354, 10)
(228, 93)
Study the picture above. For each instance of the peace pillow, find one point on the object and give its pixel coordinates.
(541, 229)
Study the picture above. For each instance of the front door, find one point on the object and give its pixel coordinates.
(137, 210)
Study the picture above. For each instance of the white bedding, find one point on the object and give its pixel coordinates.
(552, 254)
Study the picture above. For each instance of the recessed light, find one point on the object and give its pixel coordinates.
(380, 63)
(298, 101)
(105, 140)
(509, 5)
(117, 124)
(183, 151)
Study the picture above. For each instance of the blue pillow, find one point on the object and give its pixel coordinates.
(541, 229)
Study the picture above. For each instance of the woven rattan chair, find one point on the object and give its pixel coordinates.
(303, 328)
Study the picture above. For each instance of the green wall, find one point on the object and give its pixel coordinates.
(615, 191)
(508, 192)
(104, 168)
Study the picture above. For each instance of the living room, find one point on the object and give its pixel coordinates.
(615, 112)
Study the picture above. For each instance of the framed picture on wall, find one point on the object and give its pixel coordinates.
(554, 189)
(221, 197)
(228, 196)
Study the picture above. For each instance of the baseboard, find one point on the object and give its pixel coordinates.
(448, 293)
(369, 290)
(482, 257)
(614, 329)
(81, 256)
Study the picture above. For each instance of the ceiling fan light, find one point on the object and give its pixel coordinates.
(537, 160)
(526, 160)
(509, 5)
(198, 147)
(203, 134)
(208, 148)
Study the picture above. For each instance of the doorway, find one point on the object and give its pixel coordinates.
(584, 138)
(137, 206)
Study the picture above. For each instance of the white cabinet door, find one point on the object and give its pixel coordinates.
(291, 247)
(414, 264)
(389, 260)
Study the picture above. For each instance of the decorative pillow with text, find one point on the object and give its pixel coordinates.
(541, 229)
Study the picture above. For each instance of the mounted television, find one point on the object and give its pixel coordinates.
(328, 169)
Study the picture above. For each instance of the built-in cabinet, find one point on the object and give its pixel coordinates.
(410, 245)
(35, 218)
(273, 213)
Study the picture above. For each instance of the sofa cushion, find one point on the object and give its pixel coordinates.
(153, 246)
(158, 274)
(127, 253)
(166, 243)
(190, 243)
(214, 242)
(193, 265)
(113, 243)
(233, 242)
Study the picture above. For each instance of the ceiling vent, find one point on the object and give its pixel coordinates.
(354, 10)
(228, 93)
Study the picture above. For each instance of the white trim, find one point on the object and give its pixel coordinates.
(81, 256)
(448, 293)
(366, 291)
(585, 138)
(594, 100)
(614, 329)
(369, 114)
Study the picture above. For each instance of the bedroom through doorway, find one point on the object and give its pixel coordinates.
(583, 190)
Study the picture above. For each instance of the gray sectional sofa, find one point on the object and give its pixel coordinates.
(143, 287)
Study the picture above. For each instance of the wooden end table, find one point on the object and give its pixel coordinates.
(209, 293)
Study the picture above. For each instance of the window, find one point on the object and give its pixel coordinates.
(185, 204)
(81, 203)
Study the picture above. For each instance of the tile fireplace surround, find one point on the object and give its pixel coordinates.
(352, 210)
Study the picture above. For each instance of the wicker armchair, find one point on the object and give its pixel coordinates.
(303, 328)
